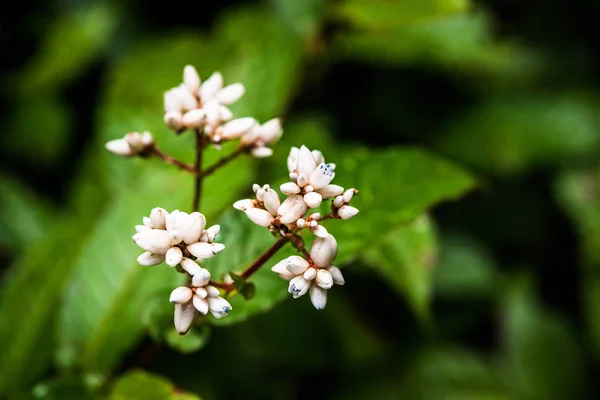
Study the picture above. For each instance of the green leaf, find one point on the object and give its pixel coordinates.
(536, 342)
(26, 315)
(143, 385)
(191, 342)
(77, 387)
(302, 17)
(510, 135)
(405, 258)
(466, 268)
(394, 14)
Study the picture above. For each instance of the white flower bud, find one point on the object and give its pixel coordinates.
(193, 118)
(318, 296)
(296, 265)
(323, 251)
(259, 217)
(236, 128)
(301, 223)
(271, 130)
(217, 247)
(184, 316)
(174, 237)
(298, 286)
(148, 259)
(260, 194)
(315, 216)
(330, 191)
(289, 188)
(313, 199)
(310, 274)
(349, 194)
(201, 249)
(318, 156)
(324, 278)
(119, 147)
(255, 187)
(219, 306)
(141, 228)
(200, 304)
(191, 79)
(211, 86)
(212, 232)
(181, 295)
(225, 114)
(147, 222)
(302, 179)
(292, 159)
(158, 218)
(320, 231)
(173, 120)
(190, 266)
(271, 201)
(336, 274)
(282, 271)
(155, 241)
(306, 162)
(321, 176)
(201, 278)
(338, 201)
(191, 227)
(187, 101)
(200, 291)
(212, 291)
(347, 212)
(173, 256)
(171, 220)
(231, 93)
(243, 205)
(261, 152)
(212, 110)
(291, 209)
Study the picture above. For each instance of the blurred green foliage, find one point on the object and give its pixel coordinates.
(493, 296)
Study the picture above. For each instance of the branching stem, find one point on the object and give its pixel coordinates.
(198, 167)
(173, 161)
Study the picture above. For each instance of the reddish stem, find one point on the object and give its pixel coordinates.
(173, 161)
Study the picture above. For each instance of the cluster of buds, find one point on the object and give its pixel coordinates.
(196, 105)
(310, 184)
(132, 144)
(180, 240)
(315, 275)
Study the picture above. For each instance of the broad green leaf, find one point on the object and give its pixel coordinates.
(385, 14)
(302, 17)
(461, 42)
(405, 258)
(27, 312)
(591, 304)
(542, 360)
(24, 216)
(466, 269)
(69, 46)
(144, 385)
(510, 135)
(64, 388)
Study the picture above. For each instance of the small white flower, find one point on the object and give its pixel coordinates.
(347, 212)
(132, 144)
(291, 209)
(191, 79)
(323, 251)
(261, 136)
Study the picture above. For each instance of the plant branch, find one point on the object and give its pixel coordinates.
(224, 160)
(155, 151)
(298, 243)
(198, 167)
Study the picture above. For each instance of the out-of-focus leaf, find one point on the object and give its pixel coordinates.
(31, 289)
(579, 194)
(81, 388)
(541, 357)
(191, 342)
(143, 385)
(300, 16)
(591, 302)
(69, 46)
(24, 217)
(248, 242)
(465, 270)
(384, 15)
(461, 42)
(37, 131)
(510, 135)
(405, 257)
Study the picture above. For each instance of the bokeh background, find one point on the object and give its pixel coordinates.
(470, 127)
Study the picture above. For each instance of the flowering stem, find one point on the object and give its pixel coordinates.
(256, 264)
(298, 243)
(198, 167)
(224, 160)
(331, 215)
(173, 161)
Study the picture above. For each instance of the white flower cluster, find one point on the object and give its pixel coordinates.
(314, 276)
(310, 184)
(132, 144)
(193, 105)
(179, 238)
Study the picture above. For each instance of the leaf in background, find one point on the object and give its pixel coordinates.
(302, 17)
(143, 385)
(405, 258)
(69, 46)
(461, 42)
(466, 269)
(32, 287)
(66, 388)
(385, 14)
(542, 359)
(24, 216)
(511, 135)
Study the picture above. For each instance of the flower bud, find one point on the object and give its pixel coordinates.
(201, 278)
(184, 316)
(190, 266)
(191, 227)
(324, 278)
(173, 256)
(349, 194)
(292, 159)
(201, 249)
(281, 270)
(259, 217)
(318, 296)
(181, 295)
(219, 307)
(193, 118)
(261, 152)
(173, 120)
(347, 212)
(155, 241)
(271, 130)
(330, 191)
(322, 176)
(212, 232)
(231, 93)
(211, 86)
(296, 265)
(158, 218)
(200, 304)
(306, 162)
(225, 114)
(148, 259)
(313, 199)
(119, 147)
(271, 201)
(236, 128)
(320, 231)
(289, 188)
(212, 291)
(298, 286)
(336, 274)
(310, 274)
(291, 209)
(338, 201)
(323, 251)
(191, 79)
(243, 205)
